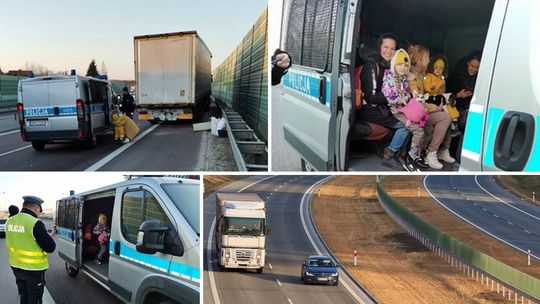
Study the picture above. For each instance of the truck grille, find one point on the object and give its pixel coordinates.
(244, 254)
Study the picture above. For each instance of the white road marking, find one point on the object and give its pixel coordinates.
(213, 287)
(117, 152)
(270, 265)
(527, 231)
(509, 223)
(10, 132)
(47, 298)
(470, 222)
(278, 282)
(16, 150)
(497, 198)
(290, 301)
(495, 215)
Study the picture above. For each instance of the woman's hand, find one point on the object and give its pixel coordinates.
(463, 93)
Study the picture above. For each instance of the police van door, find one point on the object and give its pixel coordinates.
(99, 97)
(127, 266)
(68, 233)
(507, 119)
(310, 86)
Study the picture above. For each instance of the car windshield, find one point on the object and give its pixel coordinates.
(318, 262)
(244, 226)
(186, 199)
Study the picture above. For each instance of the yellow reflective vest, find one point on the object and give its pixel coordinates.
(24, 252)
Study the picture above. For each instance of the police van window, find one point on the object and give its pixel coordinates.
(137, 207)
(186, 199)
(67, 214)
(308, 29)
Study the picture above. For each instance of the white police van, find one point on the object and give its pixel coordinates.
(63, 108)
(322, 38)
(154, 242)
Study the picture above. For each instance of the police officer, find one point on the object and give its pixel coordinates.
(128, 103)
(28, 243)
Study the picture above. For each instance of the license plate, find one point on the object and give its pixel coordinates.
(322, 279)
(38, 122)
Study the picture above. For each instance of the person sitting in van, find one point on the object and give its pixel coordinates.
(463, 82)
(375, 106)
(128, 103)
(103, 233)
(436, 132)
(435, 83)
(408, 111)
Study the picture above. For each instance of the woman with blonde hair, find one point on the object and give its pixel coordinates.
(436, 132)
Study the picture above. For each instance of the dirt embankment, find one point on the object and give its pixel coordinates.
(214, 182)
(522, 186)
(392, 265)
(425, 207)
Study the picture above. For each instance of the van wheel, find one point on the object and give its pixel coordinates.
(71, 271)
(91, 142)
(306, 166)
(38, 145)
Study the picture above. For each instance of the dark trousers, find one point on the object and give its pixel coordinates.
(30, 285)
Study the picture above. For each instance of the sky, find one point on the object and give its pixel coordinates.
(66, 34)
(50, 186)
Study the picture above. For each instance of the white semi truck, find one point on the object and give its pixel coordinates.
(173, 76)
(241, 231)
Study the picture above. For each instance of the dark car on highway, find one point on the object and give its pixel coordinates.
(320, 269)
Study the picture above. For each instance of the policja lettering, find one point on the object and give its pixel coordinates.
(16, 228)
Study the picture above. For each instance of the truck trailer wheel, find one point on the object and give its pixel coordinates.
(260, 270)
(38, 145)
(71, 271)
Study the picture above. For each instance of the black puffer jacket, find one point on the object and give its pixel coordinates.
(376, 109)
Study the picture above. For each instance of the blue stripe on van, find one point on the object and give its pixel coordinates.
(306, 84)
(62, 110)
(493, 120)
(534, 159)
(475, 128)
(180, 270)
(67, 234)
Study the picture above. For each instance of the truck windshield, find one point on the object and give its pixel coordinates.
(186, 199)
(243, 226)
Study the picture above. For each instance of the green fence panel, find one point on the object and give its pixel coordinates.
(8, 90)
(510, 276)
(241, 81)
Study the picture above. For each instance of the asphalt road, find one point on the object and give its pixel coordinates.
(163, 147)
(61, 287)
(287, 246)
(481, 202)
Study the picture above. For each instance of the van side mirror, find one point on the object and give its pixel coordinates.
(150, 238)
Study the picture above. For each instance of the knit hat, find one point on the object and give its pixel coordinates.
(439, 63)
(400, 57)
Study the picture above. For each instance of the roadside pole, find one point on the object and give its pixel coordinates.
(354, 255)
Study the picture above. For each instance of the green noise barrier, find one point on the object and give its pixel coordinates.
(511, 277)
(241, 81)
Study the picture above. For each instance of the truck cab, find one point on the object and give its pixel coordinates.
(241, 231)
(62, 108)
(154, 238)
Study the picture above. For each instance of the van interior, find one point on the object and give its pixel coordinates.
(453, 28)
(92, 207)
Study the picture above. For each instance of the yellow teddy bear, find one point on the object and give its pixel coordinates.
(118, 122)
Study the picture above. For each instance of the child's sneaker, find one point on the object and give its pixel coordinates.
(409, 164)
(99, 261)
(444, 155)
(432, 161)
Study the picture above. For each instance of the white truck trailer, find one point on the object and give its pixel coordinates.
(173, 76)
(241, 231)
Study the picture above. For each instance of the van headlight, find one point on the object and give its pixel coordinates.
(309, 273)
(335, 274)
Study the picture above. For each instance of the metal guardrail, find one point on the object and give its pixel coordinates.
(250, 153)
(467, 259)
